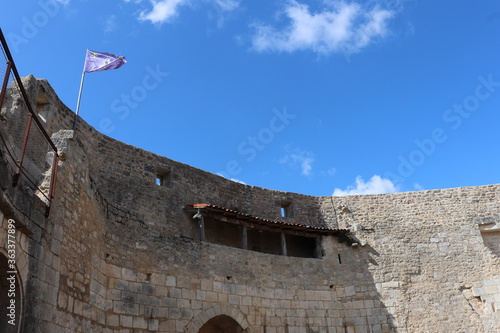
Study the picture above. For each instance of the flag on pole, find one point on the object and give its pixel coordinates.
(96, 62)
(102, 61)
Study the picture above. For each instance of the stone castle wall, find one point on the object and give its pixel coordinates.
(119, 254)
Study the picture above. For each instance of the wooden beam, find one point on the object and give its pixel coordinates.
(267, 225)
(318, 250)
(244, 238)
(202, 228)
(283, 244)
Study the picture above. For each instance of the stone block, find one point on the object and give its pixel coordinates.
(188, 293)
(148, 288)
(200, 295)
(234, 299)
(170, 302)
(174, 313)
(240, 289)
(153, 324)
(211, 296)
(122, 285)
(350, 291)
(125, 308)
(390, 284)
(170, 281)
(126, 321)
(490, 290)
(186, 314)
(207, 285)
(140, 322)
(112, 319)
(183, 303)
(143, 299)
(246, 300)
(114, 294)
(158, 279)
(180, 325)
(129, 274)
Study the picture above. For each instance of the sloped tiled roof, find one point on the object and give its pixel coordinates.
(263, 222)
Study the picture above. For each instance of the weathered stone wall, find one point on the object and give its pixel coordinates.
(118, 253)
(429, 255)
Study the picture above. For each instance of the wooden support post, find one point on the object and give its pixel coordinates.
(283, 244)
(244, 238)
(318, 250)
(202, 228)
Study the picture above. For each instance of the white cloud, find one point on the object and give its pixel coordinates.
(232, 179)
(297, 157)
(418, 187)
(164, 10)
(222, 8)
(330, 172)
(237, 181)
(227, 5)
(110, 24)
(376, 185)
(344, 27)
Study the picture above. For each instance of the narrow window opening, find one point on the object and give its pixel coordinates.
(340, 260)
(285, 208)
(163, 176)
(42, 107)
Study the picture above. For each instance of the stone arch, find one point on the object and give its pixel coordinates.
(220, 315)
(221, 324)
(10, 296)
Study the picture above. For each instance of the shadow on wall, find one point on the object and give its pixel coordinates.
(361, 302)
(490, 232)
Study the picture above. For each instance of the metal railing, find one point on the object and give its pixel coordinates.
(26, 144)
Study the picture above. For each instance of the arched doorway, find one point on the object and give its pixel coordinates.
(10, 298)
(221, 324)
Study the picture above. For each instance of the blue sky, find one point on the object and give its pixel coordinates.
(317, 97)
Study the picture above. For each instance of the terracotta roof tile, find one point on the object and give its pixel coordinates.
(267, 222)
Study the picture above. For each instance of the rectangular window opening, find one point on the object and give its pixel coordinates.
(163, 176)
(285, 208)
(42, 107)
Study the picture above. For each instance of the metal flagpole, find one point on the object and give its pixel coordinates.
(78, 103)
(95, 62)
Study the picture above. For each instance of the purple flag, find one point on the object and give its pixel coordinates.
(102, 61)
